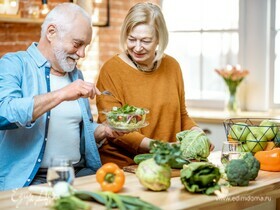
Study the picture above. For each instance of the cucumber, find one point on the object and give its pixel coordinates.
(176, 164)
(141, 157)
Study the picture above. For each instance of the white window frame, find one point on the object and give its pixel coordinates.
(272, 53)
(256, 53)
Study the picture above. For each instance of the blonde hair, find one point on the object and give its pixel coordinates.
(146, 13)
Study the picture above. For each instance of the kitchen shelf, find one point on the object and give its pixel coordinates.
(19, 19)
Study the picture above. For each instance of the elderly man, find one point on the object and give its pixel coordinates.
(44, 107)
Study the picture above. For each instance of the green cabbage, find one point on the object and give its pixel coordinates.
(194, 144)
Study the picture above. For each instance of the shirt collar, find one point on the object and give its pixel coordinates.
(37, 56)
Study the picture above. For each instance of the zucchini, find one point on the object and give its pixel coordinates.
(141, 157)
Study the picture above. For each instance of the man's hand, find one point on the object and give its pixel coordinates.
(78, 89)
(104, 131)
(73, 91)
(109, 133)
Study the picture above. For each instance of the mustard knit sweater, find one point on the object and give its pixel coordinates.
(161, 92)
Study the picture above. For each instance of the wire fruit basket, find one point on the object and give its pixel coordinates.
(255, 134)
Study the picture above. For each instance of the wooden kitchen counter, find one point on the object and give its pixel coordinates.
(266, 188)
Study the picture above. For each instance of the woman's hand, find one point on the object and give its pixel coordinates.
(145, 145)
(212, 146)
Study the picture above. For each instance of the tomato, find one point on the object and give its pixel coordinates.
(110, 177)
(138, 118)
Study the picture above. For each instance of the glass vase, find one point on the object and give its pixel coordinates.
(232, 103)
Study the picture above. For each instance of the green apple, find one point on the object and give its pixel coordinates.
(269, 128)
(239, 131)
(256, 140)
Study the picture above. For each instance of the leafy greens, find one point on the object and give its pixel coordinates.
(200, 177)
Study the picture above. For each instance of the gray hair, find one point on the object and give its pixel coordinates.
(63, 16)
(146, 13)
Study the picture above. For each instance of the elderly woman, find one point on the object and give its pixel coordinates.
(143, 76)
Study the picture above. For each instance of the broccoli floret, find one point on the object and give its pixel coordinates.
(237, 171)
(253, 164)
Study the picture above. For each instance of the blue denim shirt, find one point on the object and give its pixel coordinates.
(22, 142)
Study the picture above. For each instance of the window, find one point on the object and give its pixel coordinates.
(209, 34)
(276, 32)
(203, 36)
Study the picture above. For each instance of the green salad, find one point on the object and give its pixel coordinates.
(127, 118)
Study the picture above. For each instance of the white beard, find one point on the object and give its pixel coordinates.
(67, 64)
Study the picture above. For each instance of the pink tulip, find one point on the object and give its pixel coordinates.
(232, 75)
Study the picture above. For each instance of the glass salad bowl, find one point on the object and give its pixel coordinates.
(127, 118)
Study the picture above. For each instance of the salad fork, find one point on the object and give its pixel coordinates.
(107, 92)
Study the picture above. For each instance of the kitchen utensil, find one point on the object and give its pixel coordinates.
(107, 93)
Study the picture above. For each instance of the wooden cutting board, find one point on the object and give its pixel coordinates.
(132, 169)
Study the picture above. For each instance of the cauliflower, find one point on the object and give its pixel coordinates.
(253, 164)
(237, 172)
